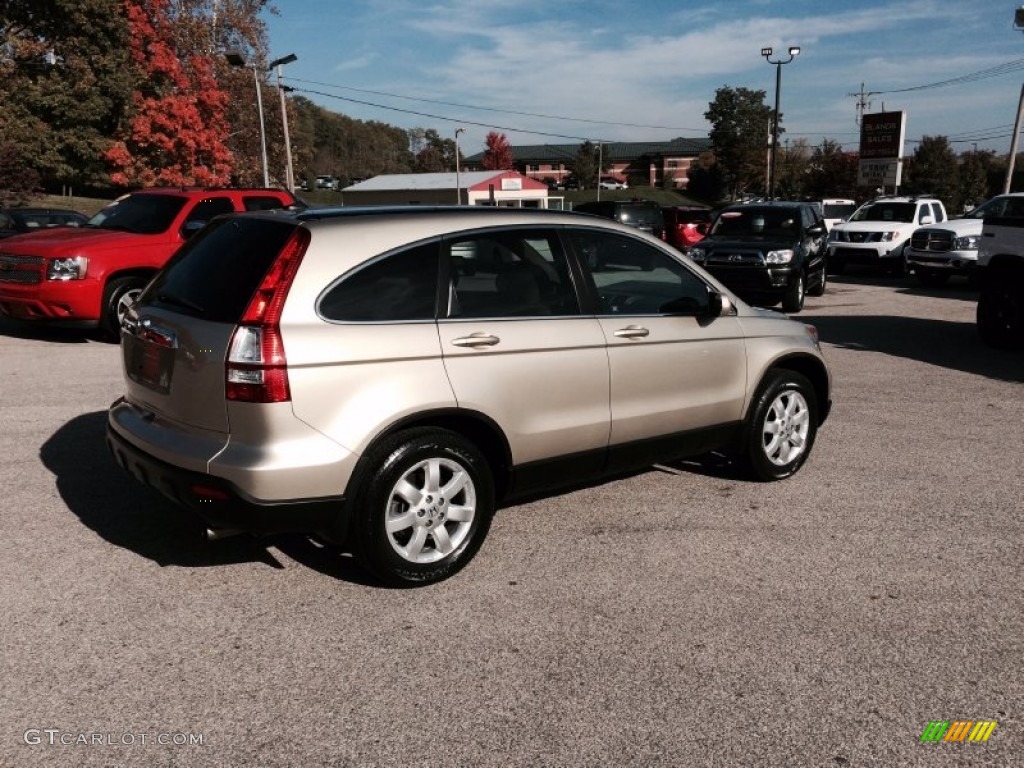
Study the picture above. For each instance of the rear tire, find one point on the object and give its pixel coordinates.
(783, 424)
(424, 507)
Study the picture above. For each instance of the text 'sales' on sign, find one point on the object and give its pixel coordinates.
(881, 135)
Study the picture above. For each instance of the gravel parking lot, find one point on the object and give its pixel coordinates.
(678, 617)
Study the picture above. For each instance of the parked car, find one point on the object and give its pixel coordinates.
(937, 252)
(86, 276)
(326, 182)
(385, 378)
(611, 182)
(18, 221)
(836, 210)
(1000, 312)
(645, 215)
(686, 225)
(767, 252)
(878, 232)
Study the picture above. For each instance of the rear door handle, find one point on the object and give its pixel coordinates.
(632, 332)
(476, 340)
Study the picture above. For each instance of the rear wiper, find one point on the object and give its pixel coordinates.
(181, 302)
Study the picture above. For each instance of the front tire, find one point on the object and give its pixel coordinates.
(118, 296)
(782, 427)
(424, 508)
(793, 300)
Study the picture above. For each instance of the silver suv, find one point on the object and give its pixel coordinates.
(385, 378)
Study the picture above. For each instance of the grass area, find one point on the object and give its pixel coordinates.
(86, 205)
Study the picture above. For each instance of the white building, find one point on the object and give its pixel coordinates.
(503, 188)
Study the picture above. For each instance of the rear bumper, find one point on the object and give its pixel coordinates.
(221, 504)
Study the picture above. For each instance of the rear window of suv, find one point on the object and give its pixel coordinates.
(214, 275)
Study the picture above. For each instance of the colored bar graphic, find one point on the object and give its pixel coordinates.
(958, 730)
(982, 730)
(935, 731)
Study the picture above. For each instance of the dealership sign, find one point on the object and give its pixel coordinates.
(881, 148)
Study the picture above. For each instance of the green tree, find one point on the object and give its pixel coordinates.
(933, 169)
(975, 170)
(739, 126)
(67, 85)
(831, 172)
(585, 166)
(706, 181)
(432, 153)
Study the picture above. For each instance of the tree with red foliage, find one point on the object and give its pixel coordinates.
(498, 155)
(178, 130)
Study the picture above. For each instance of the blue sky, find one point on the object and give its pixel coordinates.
(558, 71)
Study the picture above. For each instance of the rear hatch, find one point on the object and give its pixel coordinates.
(175, 340)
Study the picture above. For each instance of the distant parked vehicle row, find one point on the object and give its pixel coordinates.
(18, 221)
(87, 276)
(767, 252)
(878, 232)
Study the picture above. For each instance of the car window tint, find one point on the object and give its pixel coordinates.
(6, 222)
(399, 287)
(210, 207)
(261, 203)
(214, 275)
(635, 278)
(509, 274)
(144, 213)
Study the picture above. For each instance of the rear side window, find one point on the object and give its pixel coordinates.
(398, 287)
(214, 275)
(262, 203)
(520, 273)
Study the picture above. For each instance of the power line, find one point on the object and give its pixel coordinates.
(489, 109)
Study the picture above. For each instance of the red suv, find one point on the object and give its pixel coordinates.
(87, 276)
(686, 225)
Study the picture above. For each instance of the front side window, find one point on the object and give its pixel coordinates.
(146, 214)
(400, 287)
(635, 278)
(520, 273)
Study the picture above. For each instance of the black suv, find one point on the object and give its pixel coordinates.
(767, 252)
(643, 214)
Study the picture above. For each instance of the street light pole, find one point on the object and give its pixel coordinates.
(236, 59)
(289, 173)
(458, 180)
(794, 51)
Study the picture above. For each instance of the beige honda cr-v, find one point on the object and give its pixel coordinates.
(385, 378)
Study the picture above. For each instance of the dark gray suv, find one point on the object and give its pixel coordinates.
(767, 252)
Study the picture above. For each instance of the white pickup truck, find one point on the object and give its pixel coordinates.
(1001, 271)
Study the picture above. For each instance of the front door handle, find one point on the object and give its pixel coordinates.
(476, 340)
(632, 332)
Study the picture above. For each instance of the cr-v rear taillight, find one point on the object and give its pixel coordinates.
(257, 370)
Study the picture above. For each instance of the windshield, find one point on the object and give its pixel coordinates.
(143, 214)
(903, 212)
(839, 210)
(758, 222)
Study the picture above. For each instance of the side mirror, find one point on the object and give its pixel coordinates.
(191, 227)
(816, 230)
(703, 227)
(720, 305)
(927, 220)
